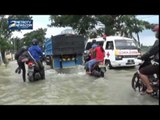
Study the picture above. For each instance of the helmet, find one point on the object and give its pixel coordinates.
(34, 41)
(94, 46)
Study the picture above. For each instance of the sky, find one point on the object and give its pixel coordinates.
(147, 37)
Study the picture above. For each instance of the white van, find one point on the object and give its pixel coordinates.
(119, 51)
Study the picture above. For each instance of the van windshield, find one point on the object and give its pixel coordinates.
(89, 44)
(125, 44)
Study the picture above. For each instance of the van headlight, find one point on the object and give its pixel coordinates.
(119, 57)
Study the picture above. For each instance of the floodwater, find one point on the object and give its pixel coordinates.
(70, 87)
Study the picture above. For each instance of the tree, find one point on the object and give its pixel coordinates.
(5, 33)
(82, 24)
(16, 43)
(126, 25)
(109, 22)
(38, 34)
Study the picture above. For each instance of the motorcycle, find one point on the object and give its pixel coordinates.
(98, 69)
(139, 86)
(34, 73)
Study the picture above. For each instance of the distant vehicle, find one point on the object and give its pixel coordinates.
(64, 50)
(9, 56)
(119, 51)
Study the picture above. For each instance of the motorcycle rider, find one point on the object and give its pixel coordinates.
(91, 54)
(151, 69)
(99, 56)
(21, 53)
(92, 51)
(36, 53)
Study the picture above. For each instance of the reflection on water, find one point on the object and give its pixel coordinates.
(70, 86)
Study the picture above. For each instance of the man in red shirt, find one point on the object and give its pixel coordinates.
(99, 51)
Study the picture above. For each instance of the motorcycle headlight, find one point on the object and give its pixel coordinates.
(86, 52)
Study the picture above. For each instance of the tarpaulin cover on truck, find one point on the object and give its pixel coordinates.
(68, 44)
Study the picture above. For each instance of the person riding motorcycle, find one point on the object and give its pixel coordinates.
(91, 54)
(99, 56)
(151, 69)
(21, 53)
(36, 53)
(92, 51)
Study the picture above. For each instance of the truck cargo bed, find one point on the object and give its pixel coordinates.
(65, 44)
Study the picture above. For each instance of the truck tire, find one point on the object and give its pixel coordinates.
(48, 60)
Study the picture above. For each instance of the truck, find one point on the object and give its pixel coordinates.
(64, 50)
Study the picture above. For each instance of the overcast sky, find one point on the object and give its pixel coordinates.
(147, 37)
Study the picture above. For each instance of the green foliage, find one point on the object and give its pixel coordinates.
(80, 23)
(16, 43)
(38, 34)
(5, 33)
(126, 25)
(109, 22)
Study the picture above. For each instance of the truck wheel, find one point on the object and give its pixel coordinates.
(48, 60)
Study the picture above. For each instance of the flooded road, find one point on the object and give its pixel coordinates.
(70, 87)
